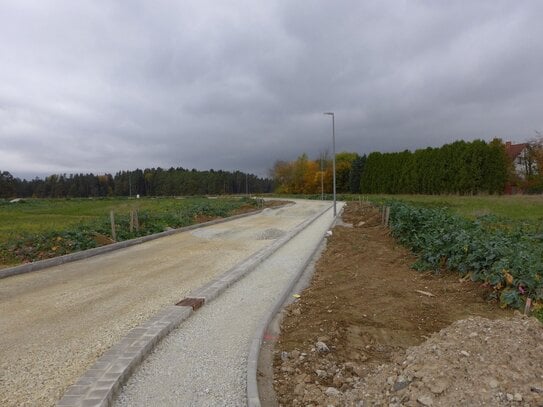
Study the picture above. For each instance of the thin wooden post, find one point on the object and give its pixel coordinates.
(527, 306)
(113, 232)
(136, 221)
(387, 215)
(131, 221)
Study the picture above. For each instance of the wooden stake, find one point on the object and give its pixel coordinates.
(136, 221)
(131, 221)
(387, 215)
(527, 306)
(113, 232)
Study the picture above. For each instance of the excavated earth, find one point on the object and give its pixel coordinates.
(371, 331)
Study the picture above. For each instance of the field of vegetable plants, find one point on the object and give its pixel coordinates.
(503, 253)
(37, 229)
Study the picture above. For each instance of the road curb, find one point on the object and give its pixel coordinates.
(85, 254)
(100, 384)
(253, 397)
(215, 287)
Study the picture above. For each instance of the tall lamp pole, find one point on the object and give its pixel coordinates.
(333, 156)
(322, 178)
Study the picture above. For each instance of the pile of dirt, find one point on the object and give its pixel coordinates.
(475, 361)
(366, 332)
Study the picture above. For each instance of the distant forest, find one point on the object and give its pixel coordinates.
(147, 182)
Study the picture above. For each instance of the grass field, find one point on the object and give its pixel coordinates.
(513, 207)
(34, 229)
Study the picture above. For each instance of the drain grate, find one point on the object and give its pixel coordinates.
(195, 303)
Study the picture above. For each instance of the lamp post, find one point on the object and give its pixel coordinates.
(333, 156)
(322, 178)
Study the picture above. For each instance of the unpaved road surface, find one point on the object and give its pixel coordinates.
(55, 323)
(391, 345)
(203, 362)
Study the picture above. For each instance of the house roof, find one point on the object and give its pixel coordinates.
(514, 150)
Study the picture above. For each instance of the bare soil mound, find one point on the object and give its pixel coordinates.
(366, 332)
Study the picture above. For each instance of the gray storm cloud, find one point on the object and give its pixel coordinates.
(108, 85)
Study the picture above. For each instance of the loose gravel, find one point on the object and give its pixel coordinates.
(55, 323)
(203, 362)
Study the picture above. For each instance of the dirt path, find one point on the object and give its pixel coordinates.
(56, 322)
(366, 307)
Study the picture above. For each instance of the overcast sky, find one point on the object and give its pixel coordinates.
(103, 85)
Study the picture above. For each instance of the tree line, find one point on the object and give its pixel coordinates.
(147, 182)
(457, 168)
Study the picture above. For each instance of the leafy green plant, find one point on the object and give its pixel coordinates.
(506, 256)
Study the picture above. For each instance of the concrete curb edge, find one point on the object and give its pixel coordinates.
(102, 381)
(85, 254)
(216, 286)
(253, 397)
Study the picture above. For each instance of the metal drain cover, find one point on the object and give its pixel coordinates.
(195, 303)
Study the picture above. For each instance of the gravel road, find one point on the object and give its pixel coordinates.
(55, 323)
(203, 362)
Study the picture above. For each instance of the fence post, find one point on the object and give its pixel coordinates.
(113, 232)
(527, 306)
(136, 220)
(387, 215)
(131, 221)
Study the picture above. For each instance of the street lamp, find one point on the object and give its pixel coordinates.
(322, 177)
(333, 156)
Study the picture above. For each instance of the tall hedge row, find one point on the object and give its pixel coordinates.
(458, 168)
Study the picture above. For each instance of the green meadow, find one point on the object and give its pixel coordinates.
(513, 207)
(34, 229)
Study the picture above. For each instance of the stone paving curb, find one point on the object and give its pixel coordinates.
(253, 397)
(85, 254)
(101, 383)
(216, 286)
(98, 386)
